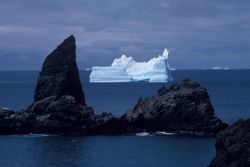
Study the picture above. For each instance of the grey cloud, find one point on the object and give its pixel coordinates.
(199, 33)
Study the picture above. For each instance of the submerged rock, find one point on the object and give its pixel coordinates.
(59, 75)
(182, 108)
(233, 146)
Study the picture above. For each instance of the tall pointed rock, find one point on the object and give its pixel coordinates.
(59, 75)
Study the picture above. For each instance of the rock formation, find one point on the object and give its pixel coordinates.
(182, 108)
(233, 146)
(59, 75)
(106, 123)
(61, 116)
(59, 106)
(15, 122)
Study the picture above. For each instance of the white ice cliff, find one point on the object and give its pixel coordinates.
(126, 69)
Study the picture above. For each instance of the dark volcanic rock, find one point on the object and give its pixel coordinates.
(59, 106)
(233, 146)
(182, 108)
(61, 116)
(59, 75)
(106, 123)
(15, 122)
(6, 112)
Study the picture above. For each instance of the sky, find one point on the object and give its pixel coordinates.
(198, 33)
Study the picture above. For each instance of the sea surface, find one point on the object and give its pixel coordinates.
(229, 92)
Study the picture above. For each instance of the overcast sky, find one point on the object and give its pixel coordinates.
(198, 33)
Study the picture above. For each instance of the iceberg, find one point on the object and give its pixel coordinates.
(220, 68)
(142, 134)
(165, 133)
(126, 69)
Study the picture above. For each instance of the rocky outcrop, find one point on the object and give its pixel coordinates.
(61, 116)
(233, 146)
(106, 123)
(15, 122)
(59, 106)
(59, 75)
(182, 108)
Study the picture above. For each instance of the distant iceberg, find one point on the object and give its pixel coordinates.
(142, 134)
(173, 69)
(87, 69)
(165, 133)
(220, 68)
(126, 69)
(217, 68)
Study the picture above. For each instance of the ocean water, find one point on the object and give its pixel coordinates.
(229, 91)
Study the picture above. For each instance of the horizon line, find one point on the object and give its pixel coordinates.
(173, 69)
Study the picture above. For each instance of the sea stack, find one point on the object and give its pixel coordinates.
(59, 75)
(59, 106)
(233, 146)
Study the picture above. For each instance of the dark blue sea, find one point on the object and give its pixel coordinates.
(229, 91)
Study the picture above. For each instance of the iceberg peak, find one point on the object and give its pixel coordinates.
(165, 53)
(124, 61)
(126, 69)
